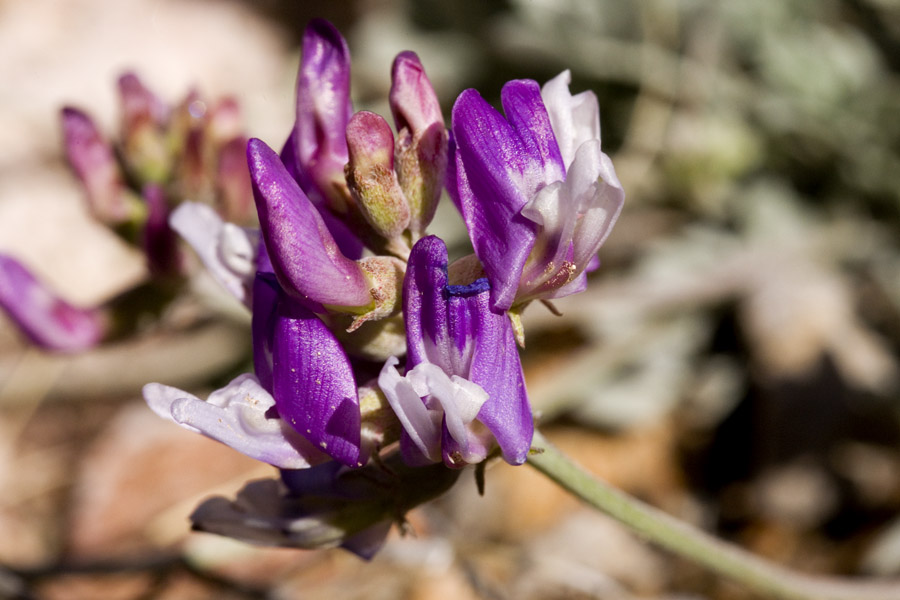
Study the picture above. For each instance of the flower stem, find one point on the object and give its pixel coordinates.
(761, 576)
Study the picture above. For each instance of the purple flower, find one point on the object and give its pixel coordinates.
(463, 386)
(48, 321)
(537, 194)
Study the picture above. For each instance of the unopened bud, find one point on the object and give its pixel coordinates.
(95, 165)
(370, 174)
(421, 147)
(144, 119)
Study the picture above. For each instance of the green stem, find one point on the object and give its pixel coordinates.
(763, 577)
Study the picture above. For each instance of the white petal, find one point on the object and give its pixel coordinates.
(228, 251)
(575, 119)
(421, 424)
(459, 398)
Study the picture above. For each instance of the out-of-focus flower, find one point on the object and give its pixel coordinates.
(49, 321)
(326, 506)
(537, 194)
(464, 386)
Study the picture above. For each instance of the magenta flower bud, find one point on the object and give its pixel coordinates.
(323, 110)
(95, 165)
(47, 320)
(234, 192)
(421, 147)
(144, 119)
(371, 177)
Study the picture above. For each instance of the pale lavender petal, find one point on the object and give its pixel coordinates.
(314, 387)
(227, 251)
(601, 207)
(47, 320)
(323, 109)
(303, 252)
(494, 179)
(421, 426)
(238, 416)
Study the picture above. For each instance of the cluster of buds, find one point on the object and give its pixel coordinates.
(164, 156)
(380, 369)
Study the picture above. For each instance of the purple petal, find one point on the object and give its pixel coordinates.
(496, 368)
(304, 255)
(323, 109)
(525, 111)
(494, 180)
(348, 242)
(47, 320)
(424, 305)
(313, 383)
(238, 416)
(95, 165)
(266, 292)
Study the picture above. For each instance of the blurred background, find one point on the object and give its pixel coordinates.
(735, 360)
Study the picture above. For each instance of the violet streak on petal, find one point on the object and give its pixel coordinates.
(304, 255)
(239, 416)
(47, 320)
(314, 387)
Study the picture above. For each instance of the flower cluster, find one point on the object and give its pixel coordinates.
(380, 367)
(164, 155)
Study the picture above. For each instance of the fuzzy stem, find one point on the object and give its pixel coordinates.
(761, 576)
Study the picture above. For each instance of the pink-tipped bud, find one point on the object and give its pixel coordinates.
(47, 320)
(95, 165)
(370, 174)
(144, 121)
(421, 148)
(233, 187)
